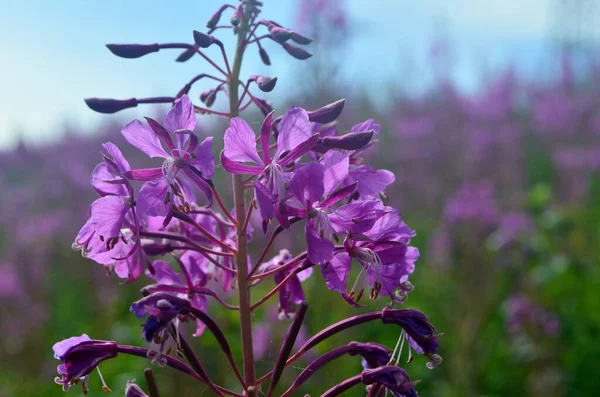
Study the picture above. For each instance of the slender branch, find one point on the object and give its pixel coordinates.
(249, 214)
(183, 217)
(222, 205)
(211, 62)
(279, 286)
(283, 267)
(202, 110)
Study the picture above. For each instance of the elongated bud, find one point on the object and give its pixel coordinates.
(264, 56)
(132, 50)
(266, 84)
(296, 52)
(186, 55)
(214, 19)
(328, 113)
(237, 15)
(280, 35)
(349, 141)
(109, 106)
(300, 38)
(203, 40)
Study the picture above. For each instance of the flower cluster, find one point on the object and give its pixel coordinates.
(171, 223)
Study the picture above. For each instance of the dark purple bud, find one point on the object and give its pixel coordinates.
(300, 38)
(214, 20)
(237, 15)
(208, 97)
(349, 141)
(393, 378)
(422, 334)
(280, 35)
(264, 56)
(296, 52)
(265, 106)
(132, 50)
(328, 113)
(203, 40)
(80, 356)
(134, 390)
(373, 354)
(109, 106)
(161, 308)
(266, 84)
(186, 55)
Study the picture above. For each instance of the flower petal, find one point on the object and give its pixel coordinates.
(142, 137)
(320, 250)
(146, 174)
(336, 170)
(151, 199)
(102, 178)
(193, 174)
(108, 215)
(265, 135)
(299, 151)
(294, 129)
(164, 274)
(112, 152)
(234, 167)
(181, 117)
(265, 201)
(307, 183)
(336, 272)
(371, 182)
(240, 142)
(204, 160)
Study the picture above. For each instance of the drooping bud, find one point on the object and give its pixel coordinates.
(264, 56)
(300, 38)
(394, 379)
(214, 19)
(237, 15)
(266, 84)
(296, 52)
(109, 106)
(327, 113)
(208, 97)
(416, 325)
(131, 51)
(203, 40)
(280, 35)
(349, 141)
(186, 55)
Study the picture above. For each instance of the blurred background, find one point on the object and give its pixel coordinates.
(490, 115)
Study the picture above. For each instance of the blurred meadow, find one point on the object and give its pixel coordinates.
(490, 120)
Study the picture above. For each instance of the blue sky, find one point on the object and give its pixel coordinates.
(54, 52)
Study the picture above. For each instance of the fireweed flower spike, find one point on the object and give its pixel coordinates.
(299, 170)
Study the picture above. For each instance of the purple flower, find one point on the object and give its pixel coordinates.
(134, 390)
(161, 308)
(164, 187)
(294, 140)
(394, 379)
(292, 293)
(80, 356)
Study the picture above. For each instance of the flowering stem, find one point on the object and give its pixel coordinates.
(241, 257)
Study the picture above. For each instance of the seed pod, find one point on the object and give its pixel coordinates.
(296, 52)
(131, 51)
(328, 113)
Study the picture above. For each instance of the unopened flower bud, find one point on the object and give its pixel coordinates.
(186, 55)
(296, 52)
(266, 84)
(203, 40)
(300, 38)
(208, 97)
(328, 113)
(134, 390)
(279, 34)
(349, 141)
(237, 15)
(264, 56)
(132, 50)
(214, 20)
(109, 106)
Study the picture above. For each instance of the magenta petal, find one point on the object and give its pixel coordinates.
(108, 214)
(336, 170)
(161, 132)
(142, 137)
(320, 250)
(112, 152)
(307, 183)
(144, 175)
(338, 195)
(239, 168)
(294, 129)
(336, 272)
(181, 117)
(240, 142)
(101, 178)
(204, 160)
(151, 199)
(299, 151)
(201, 183)
(359, 216)
(371, 182)
(61, 348)
(164, 273)
(265, 135)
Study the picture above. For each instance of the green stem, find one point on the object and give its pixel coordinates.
(239, 199)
